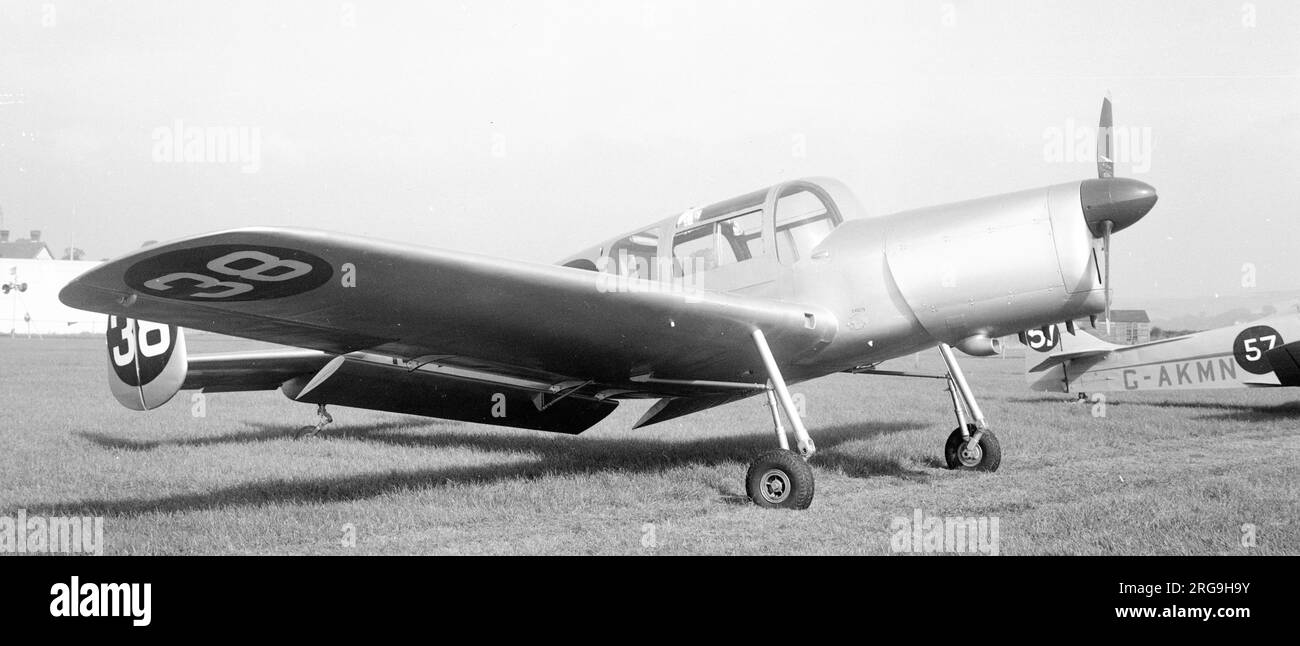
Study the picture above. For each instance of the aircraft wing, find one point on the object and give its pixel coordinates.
(1285, 361)
(336, 294)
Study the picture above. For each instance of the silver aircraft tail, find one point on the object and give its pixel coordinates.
(1049, 351)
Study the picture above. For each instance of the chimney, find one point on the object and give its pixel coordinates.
(4, 235)
(36, 235)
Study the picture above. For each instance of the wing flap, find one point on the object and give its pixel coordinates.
(375, 386)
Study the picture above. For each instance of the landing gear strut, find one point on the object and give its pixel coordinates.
(322, 419)
(971, 445)
(781, 478)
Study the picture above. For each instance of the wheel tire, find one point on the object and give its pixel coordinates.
(780, 479)
(305, 431)
(990, 453)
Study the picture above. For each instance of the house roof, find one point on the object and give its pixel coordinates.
(25, 249)
(1127, 316)
(1124, 316)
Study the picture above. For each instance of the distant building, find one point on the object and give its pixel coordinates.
(24, 249)
(1126, 326)
(31, 306)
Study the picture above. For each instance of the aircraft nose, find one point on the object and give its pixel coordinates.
(1121, 200)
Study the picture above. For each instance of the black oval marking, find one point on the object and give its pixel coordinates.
(1250, 346)
(189, 274)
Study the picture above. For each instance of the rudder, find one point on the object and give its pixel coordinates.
(147, 362)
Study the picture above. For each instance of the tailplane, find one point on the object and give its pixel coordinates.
(1048, 349)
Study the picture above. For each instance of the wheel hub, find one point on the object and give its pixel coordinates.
(971, 454)
(774, 486)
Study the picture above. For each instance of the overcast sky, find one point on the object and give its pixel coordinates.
(531, 129)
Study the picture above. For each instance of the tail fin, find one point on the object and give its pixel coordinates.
(146, 362)
(1048, 350)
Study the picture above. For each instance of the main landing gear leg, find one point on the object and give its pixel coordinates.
(322, 419)
(781, 478)
(776, 418)
(971, 445)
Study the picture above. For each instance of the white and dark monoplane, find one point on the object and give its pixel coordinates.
(1247, 355)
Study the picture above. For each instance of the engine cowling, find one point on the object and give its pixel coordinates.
(995, 265)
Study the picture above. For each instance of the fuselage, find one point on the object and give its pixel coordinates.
(1236, 356)
(960, 273)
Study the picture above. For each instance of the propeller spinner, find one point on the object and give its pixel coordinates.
(1112, 204)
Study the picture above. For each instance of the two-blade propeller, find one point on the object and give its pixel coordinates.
(1111, 204)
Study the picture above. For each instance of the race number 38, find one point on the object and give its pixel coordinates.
(138, 350)
(252, 266)
(229, 273)
(1251, 344)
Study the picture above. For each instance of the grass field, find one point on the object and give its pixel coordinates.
(1159, 474)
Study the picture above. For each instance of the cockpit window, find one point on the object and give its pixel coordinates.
(721, 242)
(803, 220)
(634, 256)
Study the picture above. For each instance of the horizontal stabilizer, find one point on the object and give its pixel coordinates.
(1049, 347)
(1058, 359)
(245, 371)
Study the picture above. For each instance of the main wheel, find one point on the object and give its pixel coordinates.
(985, 456)
(780, 479)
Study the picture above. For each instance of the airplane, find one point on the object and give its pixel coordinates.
(735, 299)
(1249, 355)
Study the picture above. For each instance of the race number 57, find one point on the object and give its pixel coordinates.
(1043, 339)
(1251, 346)
(1253, 351)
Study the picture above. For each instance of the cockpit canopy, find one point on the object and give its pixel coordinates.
(780, 224)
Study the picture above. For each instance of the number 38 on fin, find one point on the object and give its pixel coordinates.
(146, 362)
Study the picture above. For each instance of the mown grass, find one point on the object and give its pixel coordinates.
(1159, 474)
